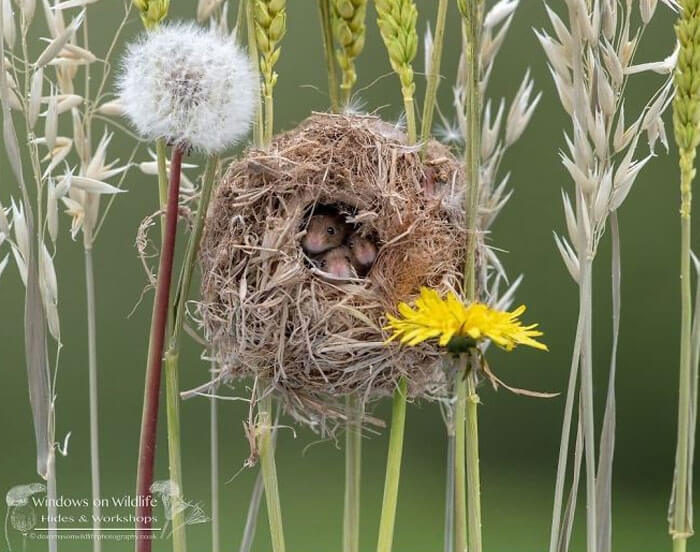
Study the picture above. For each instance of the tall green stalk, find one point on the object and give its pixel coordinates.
(397, 25)
(473, 478)
(259, 125)
(686, 106)
(471, 11)
(459, 463)
(324, 13)
(214, 462)
(353, 471)
(266, 450)
(393, 469)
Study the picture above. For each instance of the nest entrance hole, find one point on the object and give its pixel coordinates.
(337, 247)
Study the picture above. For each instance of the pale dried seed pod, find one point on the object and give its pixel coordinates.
(67, 102)
(9, 28)
(111, 109)
(71, 51)
(14, 101)
(57, 154)
(521, 110)
(28, 8)
(35, 90)
(52, 210)
(4, 223)
(51, 121)
(490, 131)
(56, 45)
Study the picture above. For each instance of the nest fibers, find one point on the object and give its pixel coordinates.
(269, 312)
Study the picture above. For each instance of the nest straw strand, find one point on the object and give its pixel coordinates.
(266, 310)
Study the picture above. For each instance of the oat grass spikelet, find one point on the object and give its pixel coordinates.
(448, 319)
(188, 85)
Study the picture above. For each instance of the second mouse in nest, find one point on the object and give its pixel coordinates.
(324, 232)
(337, 262)
(363, 253)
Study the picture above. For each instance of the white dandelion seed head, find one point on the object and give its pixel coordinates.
(192, 86)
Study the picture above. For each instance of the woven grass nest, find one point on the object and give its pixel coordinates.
(269, 311)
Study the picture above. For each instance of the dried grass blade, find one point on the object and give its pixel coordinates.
(568, 522)
(694, 369)
(556, 531)
(607, 436)
(34, 320)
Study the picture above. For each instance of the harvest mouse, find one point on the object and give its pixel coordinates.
(337, 262)
(324, 232)
(363, 253)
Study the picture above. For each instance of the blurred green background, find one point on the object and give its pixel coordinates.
(519, 436)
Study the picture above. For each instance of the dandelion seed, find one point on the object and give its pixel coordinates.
(189, 85)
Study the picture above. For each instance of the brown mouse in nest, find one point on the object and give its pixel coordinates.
(324, 232)
(338, 262)
(363, 253)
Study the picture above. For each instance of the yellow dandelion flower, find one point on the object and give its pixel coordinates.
(449, 321)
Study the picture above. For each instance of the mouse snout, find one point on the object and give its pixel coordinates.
(365, 253)
(339, 268)
(315, 243)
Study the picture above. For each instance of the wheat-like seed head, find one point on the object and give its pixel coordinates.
(397, 25)
(270, 27)
(349, 31)
(152, 11)
(686, 105)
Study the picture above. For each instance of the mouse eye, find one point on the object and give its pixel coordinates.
(330, 230)
(351, 244)
(323, 263)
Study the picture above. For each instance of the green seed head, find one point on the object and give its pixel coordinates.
(686, 104)
(348, 18)
(270, 26)
(397, 25)
(152, 11)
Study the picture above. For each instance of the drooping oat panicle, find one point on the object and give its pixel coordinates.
(188, 85)
(686, 124)
(591, 61)
(397, 25)
(349, 32)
